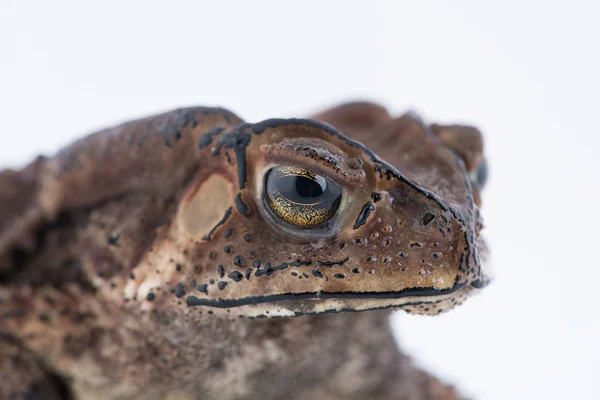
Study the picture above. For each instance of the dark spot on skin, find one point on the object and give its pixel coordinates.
(79, 316)
(427, 218)
(294, 274)
(207, 138)
(435, 256)
(402, 254)
(363, 215)
(168, 136)
(241, 206)
(18, 314)
(132, 276)
(193, 283)
(267, 270)
(237, 260)
(178, 267)
(221, 222)
(228, 233)
(212, 254)
(204, 141)
(203, 288)
(179, 290)
(44, 317)
(221, 270)
(236, 276)
(376, 197)
(150, 296)
(48, 299)
(196, 268)
(339, 276)
(238, 141)
(221, 285)
(415, 244)
(317, 273)
(227, 249)
(256, 264)
(330, 264)
(248, 273)
(158, 223)
(247, 238)
(113, 240)
(341, 245)
(356, 270)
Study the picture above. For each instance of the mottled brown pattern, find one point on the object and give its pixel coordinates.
(107, 290)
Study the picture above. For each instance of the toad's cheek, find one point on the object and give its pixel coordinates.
(323, 302)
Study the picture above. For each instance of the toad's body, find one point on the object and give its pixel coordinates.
(134, 264)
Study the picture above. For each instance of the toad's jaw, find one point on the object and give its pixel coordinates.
(295, 304)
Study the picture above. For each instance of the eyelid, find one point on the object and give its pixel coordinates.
(293, 170)
(336, 169)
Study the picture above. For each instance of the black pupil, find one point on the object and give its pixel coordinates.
(301, 189)
(307, 187)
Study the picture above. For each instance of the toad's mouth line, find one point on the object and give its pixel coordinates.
(244, 301)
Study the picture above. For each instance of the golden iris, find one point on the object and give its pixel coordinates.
(301, 197)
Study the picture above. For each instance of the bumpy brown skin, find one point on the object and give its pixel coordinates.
(109, 291)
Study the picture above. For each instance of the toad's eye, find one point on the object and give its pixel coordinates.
(301, 197)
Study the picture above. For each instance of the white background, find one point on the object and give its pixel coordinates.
(526, 74)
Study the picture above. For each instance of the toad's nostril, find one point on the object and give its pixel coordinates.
(427, 218)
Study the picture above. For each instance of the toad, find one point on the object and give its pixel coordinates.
(192, 255)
